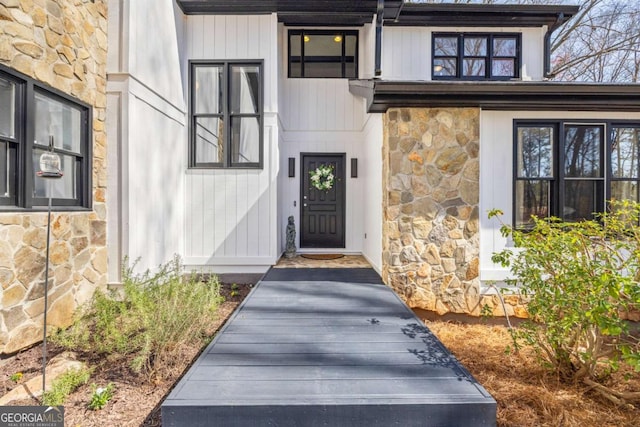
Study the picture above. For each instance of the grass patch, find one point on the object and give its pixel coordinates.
(64, 385)
(150, 321)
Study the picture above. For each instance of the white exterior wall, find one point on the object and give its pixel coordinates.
(496, 174)
(406, 51)
(231, 214)
(146, 142)
(321, 116)
(370, 171)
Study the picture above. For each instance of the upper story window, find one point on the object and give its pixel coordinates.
(568, 170)
(475, 56)
(31, 116)
(323, 54)
(226, 112)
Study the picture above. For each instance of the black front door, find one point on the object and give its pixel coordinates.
(322, 211)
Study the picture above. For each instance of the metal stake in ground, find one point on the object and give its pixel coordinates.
(49, 169)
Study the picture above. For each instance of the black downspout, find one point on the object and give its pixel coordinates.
(379, 19)
(547, 46)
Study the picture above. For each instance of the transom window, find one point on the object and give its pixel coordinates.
(323, 54)
(568, 170)
(474, 56)
(226, 111)
(31, 117)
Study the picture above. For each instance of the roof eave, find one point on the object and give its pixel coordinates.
(382, 95)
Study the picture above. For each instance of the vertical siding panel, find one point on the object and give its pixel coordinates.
(208, 218)
(197, 204)
(253, 214)
(242, 197)
(198, 36)
(220, 36)
(231, 213)
(219, 225)
(264, 202)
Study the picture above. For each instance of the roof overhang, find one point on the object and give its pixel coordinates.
(510, 95)
(297, 12)
(396, 12)
(479, 15)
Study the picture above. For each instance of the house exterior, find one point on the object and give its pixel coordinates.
(53, 59)
(218, 114)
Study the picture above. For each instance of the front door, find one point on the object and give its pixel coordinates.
(322, 210)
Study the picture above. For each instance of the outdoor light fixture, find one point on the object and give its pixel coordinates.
(292, 167)
(49, 169)
(306, 39)
(337, 39)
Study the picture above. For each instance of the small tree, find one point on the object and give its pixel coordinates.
(580, 279)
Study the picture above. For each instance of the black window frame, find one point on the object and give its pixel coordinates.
(343, 58)
(489, 57)
(22, 146)
(226, 114)
(558, 179)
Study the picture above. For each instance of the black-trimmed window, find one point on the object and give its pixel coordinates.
(226, 111)
(568, 169)
(323, 54)
(475, 56)
(32, 115)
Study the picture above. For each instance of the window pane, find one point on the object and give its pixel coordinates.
(245, 140)
(474, 67)
(583, 145)
(208, 90)
(7, 108)
(624, 190)
(57, 119)
(321, 45)
(475, 46)
(532, 198)
(209, 136)
(582, 199)
(445, 46)
(322, 69)
(504, 47)
(503, 68)
(245, 89)
(624, 152)
(63, 188)
(535, 152)
(295, 42)
(350, 48)
(444, 67)
(5, 170)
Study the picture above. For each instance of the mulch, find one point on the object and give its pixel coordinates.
(137, 399)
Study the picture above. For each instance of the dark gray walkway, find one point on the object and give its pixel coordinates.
(326, 347)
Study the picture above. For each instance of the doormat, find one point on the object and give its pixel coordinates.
(322, 256)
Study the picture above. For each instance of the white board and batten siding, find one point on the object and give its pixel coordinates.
(147, 134)
(322, 116)
(496, 174)
(406, 51)
(231, 214)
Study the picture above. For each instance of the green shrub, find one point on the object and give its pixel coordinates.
(64, 385)
(155, 315)
(100, 396)
(579, 279)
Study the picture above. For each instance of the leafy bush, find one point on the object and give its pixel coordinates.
(154, 317)
(580, 278)
(64, 385)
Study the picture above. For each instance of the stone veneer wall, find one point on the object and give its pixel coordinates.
(430, 201)
(64, 44)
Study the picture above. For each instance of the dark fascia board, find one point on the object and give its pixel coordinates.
(512, 95)
(493, 15)
(296, 12)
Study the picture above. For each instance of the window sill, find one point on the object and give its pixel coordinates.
(37, 209)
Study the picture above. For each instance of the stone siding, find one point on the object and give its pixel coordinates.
(62, 43)
(430, 201)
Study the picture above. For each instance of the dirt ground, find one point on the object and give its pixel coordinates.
(136, 400)
(527, 395)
